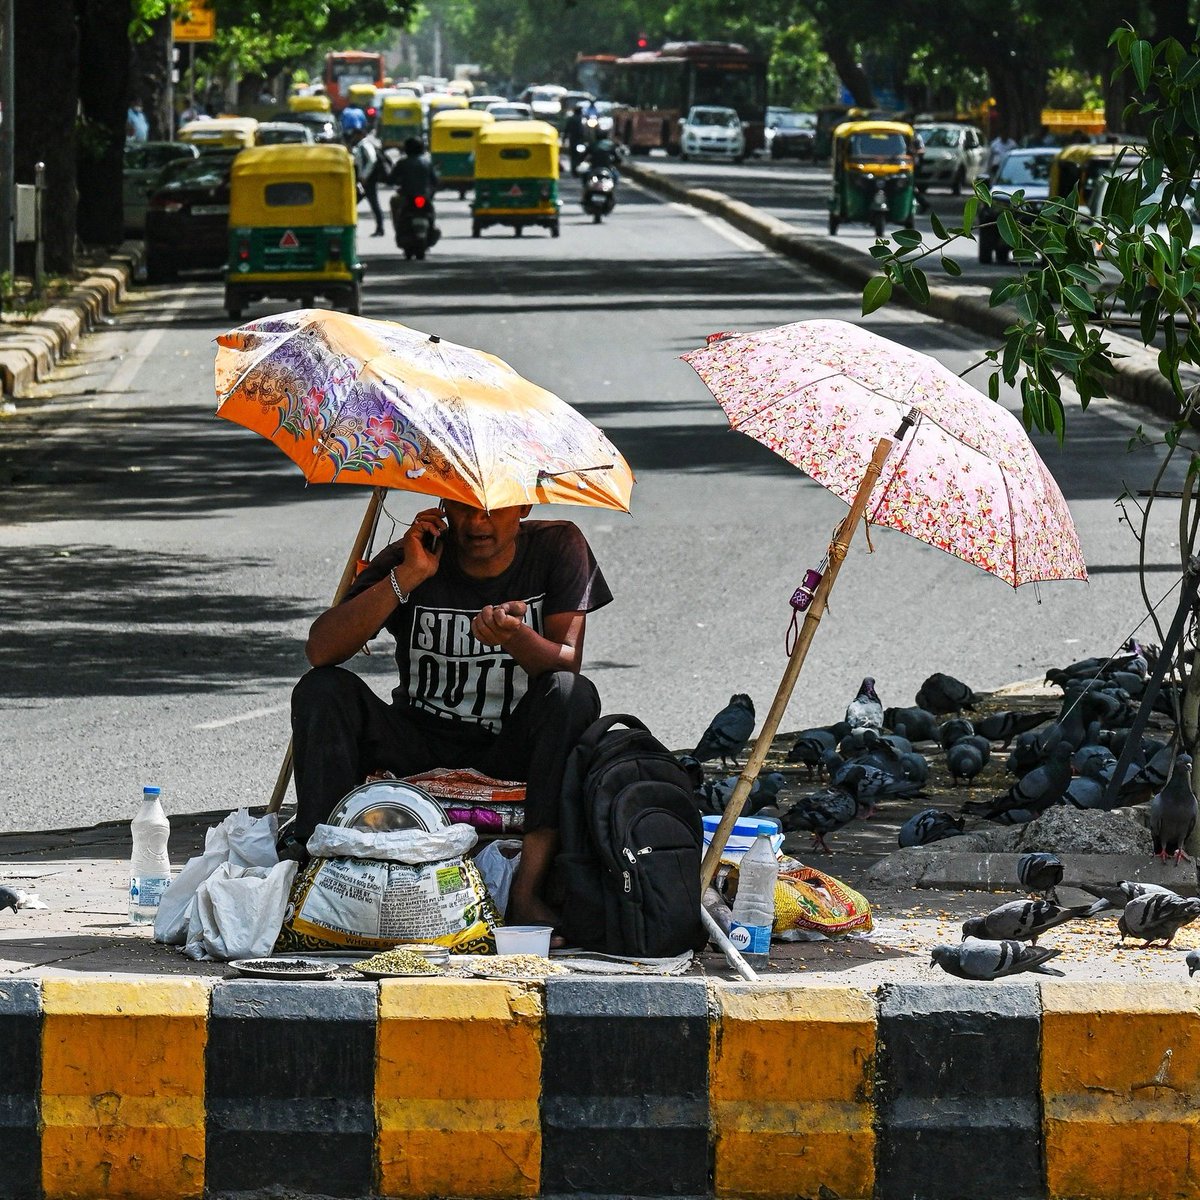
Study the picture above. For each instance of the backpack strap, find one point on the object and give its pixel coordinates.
(591, 736)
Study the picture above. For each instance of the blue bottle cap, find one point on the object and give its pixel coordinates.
(151, 789)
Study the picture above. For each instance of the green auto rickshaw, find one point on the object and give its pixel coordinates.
(872, 175)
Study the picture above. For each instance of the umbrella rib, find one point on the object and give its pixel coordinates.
(469, 432)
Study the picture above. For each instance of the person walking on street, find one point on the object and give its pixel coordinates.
(137, 128)
(1000, 145)
(368, 166)
(488, 614)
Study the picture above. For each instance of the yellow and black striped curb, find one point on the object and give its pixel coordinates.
(152, 1088)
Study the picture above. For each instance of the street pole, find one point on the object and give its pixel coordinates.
(8, 128)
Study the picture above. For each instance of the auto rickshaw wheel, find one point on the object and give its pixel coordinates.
(877, 224)
(910, 222)
(956, 185)
(233, 312)
(833, 225)
(354, 300)
(160, 270)
(476, 229)
(554, 228)
(596, 218)
(518, 230)
(462, 193)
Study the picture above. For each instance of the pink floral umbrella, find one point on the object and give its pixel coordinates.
(966, 477)
(908, 445)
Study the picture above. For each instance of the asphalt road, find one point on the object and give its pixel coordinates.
(160, 567)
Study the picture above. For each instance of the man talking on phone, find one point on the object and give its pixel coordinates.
(488, 613)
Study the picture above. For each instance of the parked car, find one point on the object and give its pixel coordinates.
(955, 156)
(188, 217)
(321, 124)
(710, 131)
(510, 110)
(276, 133)
(144, 163)
(794, 135)
(1026, 171)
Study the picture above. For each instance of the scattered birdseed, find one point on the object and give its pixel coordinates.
(517, 966)
(399, 960)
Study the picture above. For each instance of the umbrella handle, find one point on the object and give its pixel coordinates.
(812, 618)
(366, 531)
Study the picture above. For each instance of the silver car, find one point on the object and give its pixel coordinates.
(954, 156)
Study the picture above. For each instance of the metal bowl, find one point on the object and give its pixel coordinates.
(389, 804)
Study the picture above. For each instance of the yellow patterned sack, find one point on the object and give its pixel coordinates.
(809, 901)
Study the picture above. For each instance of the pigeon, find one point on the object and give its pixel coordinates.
(808, 747)
(1036, 791)
(975, 958)
(1120, 894)
(1025, 755)
(824, 812)
(1002, 727)
(915, 766)
(1083, 792)
(1157, 916)
(954, 729)
(714, 794)
(695, 772)
(1087, 669)
(728, 732)
(1027, 920)
(1040, 872)
(943, 694)
(964, 761)
(1094, 762)
(865, 711)
(865, 781)
(1173, 812)
(15, 899)
(929, 825)
(1149, 778)
(916, 724)
(1193, 962)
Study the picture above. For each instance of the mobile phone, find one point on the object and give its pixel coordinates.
(430, 540)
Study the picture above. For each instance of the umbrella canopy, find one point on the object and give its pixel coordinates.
(965, 478)
(351, 400)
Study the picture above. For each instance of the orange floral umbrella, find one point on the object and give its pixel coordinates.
(352, 400)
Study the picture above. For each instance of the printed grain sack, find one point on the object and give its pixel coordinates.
(373, 890)
(809, 901)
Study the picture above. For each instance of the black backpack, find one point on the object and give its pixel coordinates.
(627, 878)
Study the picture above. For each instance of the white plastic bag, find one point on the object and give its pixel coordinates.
(238, 911)
(240, 839)
(498, 869)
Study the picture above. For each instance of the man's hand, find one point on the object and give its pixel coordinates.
(496, 624)
(428, 527)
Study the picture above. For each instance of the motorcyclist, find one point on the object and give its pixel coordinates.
(576, 135)
(414, 175)
(602, 155)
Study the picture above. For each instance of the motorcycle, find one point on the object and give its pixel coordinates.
(599, 193)
(414, 221)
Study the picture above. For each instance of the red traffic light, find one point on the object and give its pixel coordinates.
(643, 41)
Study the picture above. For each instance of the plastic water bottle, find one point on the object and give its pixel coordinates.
(149, 867)
(754, 905)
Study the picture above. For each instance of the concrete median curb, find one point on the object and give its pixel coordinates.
(30, 347)
(1137, 378)
(625, 1087)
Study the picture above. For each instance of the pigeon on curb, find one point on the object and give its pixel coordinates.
(1120, 894)
(929, 825)
(1040, 872)
(825, 812)
(916, 724)
(15, 899)
(1157, 916)
(1193, 962)
(728, 732)
(975, 958)
(1027, 920)
(943, 694)
(1173, 812)
(865, 711)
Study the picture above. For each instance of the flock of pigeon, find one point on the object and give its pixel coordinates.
(1068, 757)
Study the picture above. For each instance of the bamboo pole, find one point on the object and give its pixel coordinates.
(812, 618)
(365, 531)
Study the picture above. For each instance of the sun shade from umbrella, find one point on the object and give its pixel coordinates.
(351, 400)
(907, 444)
(966, 478)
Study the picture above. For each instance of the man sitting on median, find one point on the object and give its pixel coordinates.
(488, 612)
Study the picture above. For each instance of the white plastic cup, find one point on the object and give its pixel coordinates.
(524, 939)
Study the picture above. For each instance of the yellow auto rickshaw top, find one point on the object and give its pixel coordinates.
(447, 100)
(518, 133)
(217, 126)
(462, 118)
(847, 128)
(1081, 152)
(309, 104)
(263, 160)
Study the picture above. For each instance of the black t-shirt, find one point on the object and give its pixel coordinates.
(444, 672)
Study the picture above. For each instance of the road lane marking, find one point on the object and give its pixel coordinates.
(252, 715)
(126, 372)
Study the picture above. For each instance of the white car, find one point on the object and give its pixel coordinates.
(954, 156)
(708, 131)
(510, 110)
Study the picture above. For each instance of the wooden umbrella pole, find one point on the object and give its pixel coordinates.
(762, 744)
(365, 530)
